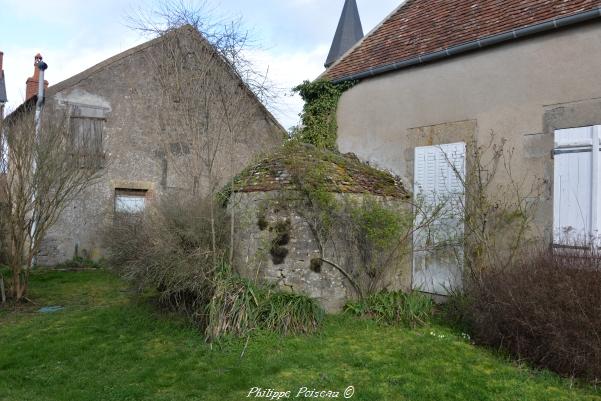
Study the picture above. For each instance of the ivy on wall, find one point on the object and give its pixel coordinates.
(319, 112)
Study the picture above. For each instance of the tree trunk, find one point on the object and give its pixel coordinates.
(232, 208)
(213, 240)
(15, 288)
(2, 292)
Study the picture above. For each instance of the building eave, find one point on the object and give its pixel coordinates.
(480, 43)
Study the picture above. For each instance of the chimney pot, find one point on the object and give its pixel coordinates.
(31, 85)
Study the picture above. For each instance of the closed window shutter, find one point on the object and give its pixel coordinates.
(86, 140)
(576, 186)
(439, 172)
(438, 175)
(572, 197)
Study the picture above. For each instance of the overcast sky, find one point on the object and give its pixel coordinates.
(72, 35)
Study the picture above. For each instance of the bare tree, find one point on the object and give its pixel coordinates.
(35, 197)
(208, 88)
(227, 37)
(499, 208)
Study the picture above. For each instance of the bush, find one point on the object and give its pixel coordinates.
(411, 309)
(234, 307)
(288, 313)
(238, 307)
(545, 309)
(170, 249)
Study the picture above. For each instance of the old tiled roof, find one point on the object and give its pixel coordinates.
(420, 27)
(299, 165)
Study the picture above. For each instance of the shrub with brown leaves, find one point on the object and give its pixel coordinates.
(545, 309)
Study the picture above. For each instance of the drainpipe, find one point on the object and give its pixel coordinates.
(39, 107)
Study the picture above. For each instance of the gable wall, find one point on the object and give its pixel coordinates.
(129, 97)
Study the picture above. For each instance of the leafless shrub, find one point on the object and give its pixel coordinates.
(499, 206)
(226, 35)
(544, 308)
(170, 248)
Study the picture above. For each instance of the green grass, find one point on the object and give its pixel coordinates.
(108, 346)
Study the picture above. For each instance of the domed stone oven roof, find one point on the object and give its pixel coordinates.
(297, 165)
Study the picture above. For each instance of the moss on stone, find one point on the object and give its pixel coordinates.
(299, 164)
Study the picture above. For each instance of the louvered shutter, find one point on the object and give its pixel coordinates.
(439, 172)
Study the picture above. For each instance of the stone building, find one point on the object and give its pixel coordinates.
(124, 115)
(281, 242)
(437, 76)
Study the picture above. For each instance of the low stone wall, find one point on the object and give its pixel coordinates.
(265, 218)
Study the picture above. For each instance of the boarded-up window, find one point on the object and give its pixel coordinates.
(130, 201)
(86, 141)
(577, 168)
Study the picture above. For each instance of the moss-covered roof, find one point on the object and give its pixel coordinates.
(298, 165)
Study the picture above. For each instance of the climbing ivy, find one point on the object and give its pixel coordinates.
(319, 112)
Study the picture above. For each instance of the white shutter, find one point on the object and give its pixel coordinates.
(438, 175)
(576, 186)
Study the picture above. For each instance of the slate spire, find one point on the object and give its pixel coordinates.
(348, 33)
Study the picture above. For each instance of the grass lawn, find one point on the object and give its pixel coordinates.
(107, 345)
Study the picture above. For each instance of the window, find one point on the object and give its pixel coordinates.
(439, 174)
(130, 201)
(86, 128)
(577, 165)
(179, 148)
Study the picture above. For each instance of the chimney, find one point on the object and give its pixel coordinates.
(31, 86)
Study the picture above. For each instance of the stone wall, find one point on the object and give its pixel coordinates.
(263, 217)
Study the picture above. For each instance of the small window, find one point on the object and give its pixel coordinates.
(130, 201)
(179, 148)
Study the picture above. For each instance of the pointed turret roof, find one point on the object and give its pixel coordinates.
(348, 33)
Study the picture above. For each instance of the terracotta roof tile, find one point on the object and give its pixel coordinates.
(424, 26)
